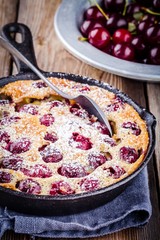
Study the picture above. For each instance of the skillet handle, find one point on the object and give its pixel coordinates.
(25, 46)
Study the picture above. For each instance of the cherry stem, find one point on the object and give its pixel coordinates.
(82, 38)
(101, 10)
(150, 11)
(125, 8)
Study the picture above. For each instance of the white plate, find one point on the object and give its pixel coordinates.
(66, 23)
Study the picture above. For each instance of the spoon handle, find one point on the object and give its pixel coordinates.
(7, 45)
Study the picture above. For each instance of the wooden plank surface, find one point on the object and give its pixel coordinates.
(51, 56)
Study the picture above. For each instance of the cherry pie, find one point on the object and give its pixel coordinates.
(51, 146)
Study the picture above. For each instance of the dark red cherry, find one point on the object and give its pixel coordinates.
(51, 136)
(56, 103)
(156, 4)
(93, 13)
(61, 188)
(154, 55)
(4, 136)
(133, 127)
(110, 5)
(129, 154)
(110, 141)
(99, 37)
(143, 26)
(122, 35)
(82, 142)
(88, 25)
(4, 101)
(29, 186)
(47, 120)
(96, 160)
(116, 171)
(27, 108)
(39, 85)
(89, 184)
(73, 170)
(115, 22)
(51, 154)
(11, 162)
(117, 103)
(101, 127)
(5, 177)
(152, 34)
(6, 120)
(124, 51)
(19, 146)
(78, 111)
(138, 44)
(38, 170)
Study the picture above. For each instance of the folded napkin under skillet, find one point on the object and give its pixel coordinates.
(132, 208)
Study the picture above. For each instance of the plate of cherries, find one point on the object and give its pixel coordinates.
(118, 36)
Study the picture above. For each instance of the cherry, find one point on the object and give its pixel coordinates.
(153, 34)
(51, 154)
(38, 170)
(19, 146)
(124, 51)
(12, 162)
(99, 37)
(138, 43)
(81, 141)
(93, 13)
(29, 186)
(4, 101)
(154, 55)
(39, 85)
(101, 127)
(122, 35)
(117, 104)
(27, 108)
(61, 188)
(144, 25)
(73, 170)
(156, 3)
(6, 120)
(133, 126)
(78, 111)
(5, 177)
(47, 120)
(116, 171)
(110, 141)
(4, 136)
(51, 136)
(96, 160)
(133, 8)
(111, 4)
(128, 154)
(89, 184)
(56, 103)
(116, 21)
(88, 25)
(109, 48)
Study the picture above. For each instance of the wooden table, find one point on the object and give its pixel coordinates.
(51, 55)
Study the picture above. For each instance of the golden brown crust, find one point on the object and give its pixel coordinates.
(130, 132)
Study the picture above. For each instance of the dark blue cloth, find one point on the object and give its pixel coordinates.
(132, 208)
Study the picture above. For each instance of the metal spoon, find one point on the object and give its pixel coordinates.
(85, 102)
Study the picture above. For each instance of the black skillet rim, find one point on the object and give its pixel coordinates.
(145, 114)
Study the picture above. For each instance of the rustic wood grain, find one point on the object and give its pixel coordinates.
(7, 15)
(153, 91)
(51, 56)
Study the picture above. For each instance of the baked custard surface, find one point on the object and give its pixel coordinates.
(51, 146)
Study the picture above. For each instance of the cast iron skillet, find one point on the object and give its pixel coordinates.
(60, 205)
